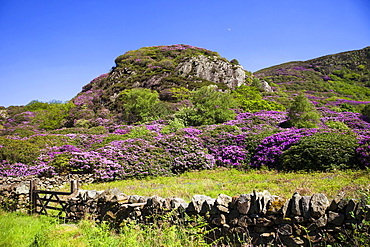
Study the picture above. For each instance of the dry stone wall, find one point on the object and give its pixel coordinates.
(259, 216)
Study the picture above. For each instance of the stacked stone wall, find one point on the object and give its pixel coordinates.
(258, 217)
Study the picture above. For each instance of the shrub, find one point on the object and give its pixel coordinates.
(322, 151)
(187, 152)
(363, 152)
(173, 126)
(268, 152)
(209, 107)
(366, 110)
(302, 113)
(336, 125)
(138, 104)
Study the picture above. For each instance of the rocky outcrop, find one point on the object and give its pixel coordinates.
(212, 69)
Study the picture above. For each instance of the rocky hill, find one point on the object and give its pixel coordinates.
(161, 68)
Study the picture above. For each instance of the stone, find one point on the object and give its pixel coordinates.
(133, 199)
(334, 203)
(155, 202)
(298, 219)
(295, 204)
(245, 221)
(266, 197)
(243, 203)
(275, 205)
(178, 203)
(266, 87)
(257, 204)
(342, 205)
(90, 194)
(350, 209)
(213, 69)
(208, 205)
(22, 188)
(286, 207)
(285, 230)
(222, 202)
(219, 220)
(233, 217)
(319, 203)
(322, 221)
(305, 206)
(197, 203)
(335, 219)
(264, 222)
(291, 241)
(112, 195)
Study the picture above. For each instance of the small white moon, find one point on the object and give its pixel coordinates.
(229, 29)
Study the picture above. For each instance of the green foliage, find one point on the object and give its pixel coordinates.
(36, 105)
(234, 61)
(302, 113)
(247, 93)
(322, 152)
(209, 107)
(337, 125)
(173, 126)
(260, 105)
(138, 104)
(26, 151)
(366, 110)
(180, 94)
(24, 231)
(139, 132)
(53, 117)
(98, 130)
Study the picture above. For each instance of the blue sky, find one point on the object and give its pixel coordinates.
(50, 49)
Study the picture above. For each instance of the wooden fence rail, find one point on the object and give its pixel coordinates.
(40, 204)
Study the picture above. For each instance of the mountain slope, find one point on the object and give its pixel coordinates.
(345, 74)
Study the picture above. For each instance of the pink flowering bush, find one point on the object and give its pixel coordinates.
(363, 152)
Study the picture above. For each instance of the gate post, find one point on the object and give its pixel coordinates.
(74, 186)
(32, 196)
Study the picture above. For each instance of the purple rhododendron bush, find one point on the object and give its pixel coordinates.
(251, 140)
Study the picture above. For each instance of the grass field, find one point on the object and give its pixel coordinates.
(233, 182)
(20, 230)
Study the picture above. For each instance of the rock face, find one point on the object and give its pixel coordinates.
(213, 69)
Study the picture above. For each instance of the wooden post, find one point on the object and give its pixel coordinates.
(74, 186)
(33, 196)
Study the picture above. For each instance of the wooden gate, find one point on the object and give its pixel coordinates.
(42, 200)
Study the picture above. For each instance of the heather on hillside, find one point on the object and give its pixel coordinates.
(148, 132)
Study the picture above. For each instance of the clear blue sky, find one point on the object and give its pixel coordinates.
(50, 49)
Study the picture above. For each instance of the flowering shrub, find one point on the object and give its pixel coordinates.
(21, 170)
(187, 152)
(322, 151)
(269, 151)
(363, 152)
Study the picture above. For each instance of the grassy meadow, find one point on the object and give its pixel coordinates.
(234, 182)
(20, 230)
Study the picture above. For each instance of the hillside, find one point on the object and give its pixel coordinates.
(169, 109)
(344, 75)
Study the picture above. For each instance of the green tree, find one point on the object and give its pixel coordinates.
(210, 106)
(302, 113)
(52, 115)
(138, 104)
